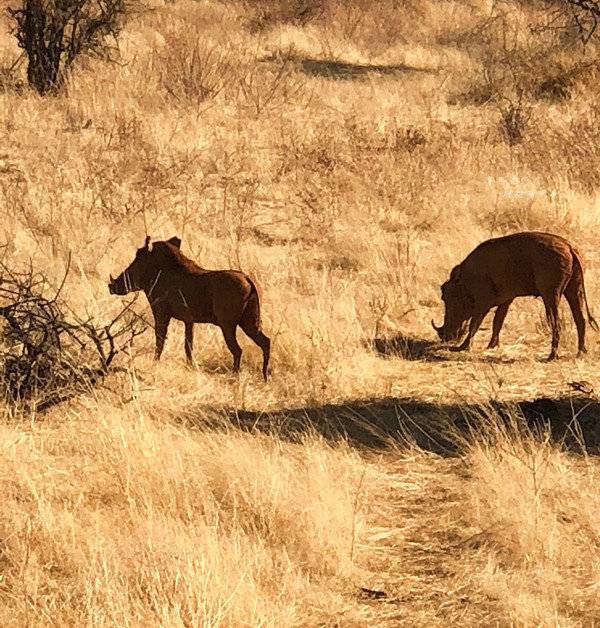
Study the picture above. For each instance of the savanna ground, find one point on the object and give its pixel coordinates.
(347, 158)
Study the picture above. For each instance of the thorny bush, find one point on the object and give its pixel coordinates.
(46, 354)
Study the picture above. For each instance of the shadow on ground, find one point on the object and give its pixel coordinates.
(407, 347)
(329, 68)
(411, 348)
(573, 422)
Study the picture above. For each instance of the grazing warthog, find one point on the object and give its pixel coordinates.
(501, 269)
(178, 288)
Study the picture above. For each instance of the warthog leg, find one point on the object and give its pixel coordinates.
(551, 302)
(263, 341)
(576, 300)
(189, 341)
(476, 321)
(161, 325)
(232, 344)
(499, 316)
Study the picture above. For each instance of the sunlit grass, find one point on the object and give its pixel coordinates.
(347, 164)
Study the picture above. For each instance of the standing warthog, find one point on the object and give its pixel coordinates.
(501, 269)
(178, 288)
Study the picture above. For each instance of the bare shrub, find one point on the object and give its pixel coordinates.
(54, 32)
(196, 71)
(508, 77)
(265, 15)
(521, 54)
(237, 211)
(48, 356)
(266, 86)
(572, 16)
(514, 117)
(548, 157)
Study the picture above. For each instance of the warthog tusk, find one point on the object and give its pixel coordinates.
(438, 329)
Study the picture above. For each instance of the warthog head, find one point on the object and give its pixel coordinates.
(459, 307)
(140, 274)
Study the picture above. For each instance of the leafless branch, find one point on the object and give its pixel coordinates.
(584, 15)
(47, 353)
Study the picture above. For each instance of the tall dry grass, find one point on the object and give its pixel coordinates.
(537, 508)
(347, 155)
(139, 522)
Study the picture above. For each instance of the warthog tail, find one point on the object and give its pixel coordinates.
(591, 319)
(251, 324)
(251, 314)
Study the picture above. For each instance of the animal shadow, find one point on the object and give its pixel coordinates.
(398, 423)
(496, 359)
(411, 348)
(343, 70)
(407, 347)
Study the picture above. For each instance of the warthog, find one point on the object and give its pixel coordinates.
(501, 269)
(178, 288)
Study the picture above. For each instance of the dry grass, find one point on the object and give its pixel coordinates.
(135, 521)
(539, 528)
(347, 155)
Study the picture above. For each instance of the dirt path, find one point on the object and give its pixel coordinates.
(422, 554)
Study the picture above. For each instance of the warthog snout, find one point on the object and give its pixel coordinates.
(450, 335)
(117, 286)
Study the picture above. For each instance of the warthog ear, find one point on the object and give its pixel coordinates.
(175, 241)
(147, 244)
